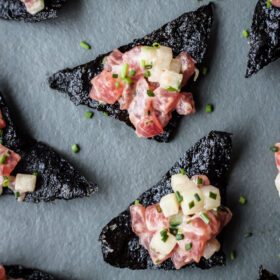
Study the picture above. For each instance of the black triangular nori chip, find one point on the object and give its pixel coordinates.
(18, 271)
(264, 37)
(15, 9)
(210, 156)
(190, 32)
(266, 275)
(57, 178)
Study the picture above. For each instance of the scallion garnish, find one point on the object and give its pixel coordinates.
(103, 60)
(143, 63)
(232, 255)
(132, 73)
(197, 197)
(188, 222)
(1, 132)
(9, 152)
(35, 174)
(274, 149)
(89, 115)
(199, 181)
(213, 195)
(245, 33)
(117, 84)
(75, 148)
(249, 234)
(115, 76)
(6, 181)
(158, 261)
(85, 45)
(158, 209)
(124, 70)
(179, 236)
(148, 66)
(1, 141)
(102, 103)
(242, 200)
(147, 74)
(105, 114)
(127, 80)
(150, 93)
(209, 108)
(149, 122)
(171, 89)
(136, 202)
(268, 3)
(204, 70)
(164, 235)
(149, 113)
(205, 218)
(3, 159)
(179, 197)
(188, 246)
(183, 171)
(17, 194)
(191, 204)
(156, 45)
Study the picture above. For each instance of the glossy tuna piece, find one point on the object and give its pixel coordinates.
(57, 178)
(266, 275)
(190, 33)
(211, 156)
(264, 37)
(16, 10)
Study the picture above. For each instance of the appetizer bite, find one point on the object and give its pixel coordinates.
(33, 171)
(143, 83)
(30, 10)
(266, 275)
(264, 36)
(277, 160)
(176, 223)
(17, 272)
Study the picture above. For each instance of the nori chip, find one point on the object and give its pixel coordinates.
(266, 275)
(190, 32)
(18, 271)
(264, 37)
(15, 9)
(57, 178)
(210, 156)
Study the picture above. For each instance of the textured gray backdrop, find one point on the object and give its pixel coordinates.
(62, 237)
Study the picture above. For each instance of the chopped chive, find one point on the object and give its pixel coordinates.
(115, 76)
(205, 218)
(199, 181)
(150, 93)
(102, 103)
(132, 73)
(179, 236)
(245, 33)
(149, 113)
(35, 174)
(232, 255)
(179, 197)
(117, 84)
(89, 115)
(173, 231)
(6, 181)
(103, 60)
(105, 114)
(197, 197)
(1, 141)
(158, 261)
(75, 148)
(9, 152)
(147, 74)
(179, 230)
(242, 200)
(1, 132)
(17, 194)
(249, 234)
(209, 108)
(171, 89)
(274, 149)
(158, 209)
(188, 222)
(183, 171)
(268, 3)
(156, 45)
(136, 202)
(191, 204)
(164, 235)
(149, 122)
(127, 80)
(188, 246)
(143, 63)
(124, 70)
(85, 45)
(204, 70)
(148, 66)
(3, 159)
(213, 195)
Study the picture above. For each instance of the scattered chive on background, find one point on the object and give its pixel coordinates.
(232, 255)
(245, 33)
(85, 45)
(242, 200)
(209, 108)
(249, 234)
(268, 3)
(274, 149)
(204, 70)
(105, 114)
(89, 115)
(75, 148)
(183, 171)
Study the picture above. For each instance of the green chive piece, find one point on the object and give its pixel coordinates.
(158, 261)
(102, 103)
(188, 222)
(204, 70)
(75, 148)
(147, 74)
(164, 235)
(232, 255)
(268, 3)
(103, 60)
(3, 159)
(179, 197)
(213, 195)
(17, 194)
(127, 80)
(199, 181)
(158, 209)
(191, 204)
(209, 108)
(149, 113)
(35, 174)
(85, 45)
(9, 152)
(197, 197)
(205, 218)
(188, 246)
(124, 70)
(150, 93)
(149, 122)
(183, 171)
(179, 236)
(6, 181)
(1, 132)
(132, 73)
(274, 149)
(143, 63)
(136, 202)
(105, 114)
(117, 84)
(115, 76)
(249, 234)
(89, 115)
(148, 66)
(171, 89)
(242, 200)
(245, 33)
(156, 45)
(1, 141)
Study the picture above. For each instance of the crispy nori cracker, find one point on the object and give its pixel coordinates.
(15, 9)
(266, 275)
(120, 246)
(18, 271)
(57, 178)
(264, 37)
(190, 32)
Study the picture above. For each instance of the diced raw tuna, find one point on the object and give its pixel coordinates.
(10, 159)
(185, 105)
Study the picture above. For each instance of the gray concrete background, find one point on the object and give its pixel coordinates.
(61, 237)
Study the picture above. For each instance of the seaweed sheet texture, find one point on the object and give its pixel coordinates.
(18, 271)
(210, 156)
(15, 9)
(57, 178)
(266, 275)
(190, 32)
(264, 37)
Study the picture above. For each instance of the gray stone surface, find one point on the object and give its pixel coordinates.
(61, 237)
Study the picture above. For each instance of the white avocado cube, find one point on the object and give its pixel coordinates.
(180, 182)
(212, 197)
(211, 248)
(35, 7)
(159, 246)
(192, 201)
(149, 55)
(25, 183)
(170, 80)
(277, 182)
(164, 57)
(169, 205)
(175, 65)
